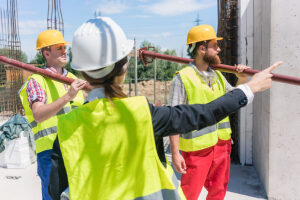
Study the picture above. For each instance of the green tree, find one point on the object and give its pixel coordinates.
(68, 65)
(5, 52)
(164, 70)
(24, 57)
(39, 60)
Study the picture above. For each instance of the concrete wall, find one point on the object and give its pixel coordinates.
(261, 104)
(245, 56)
(284, 148)
(276, 115)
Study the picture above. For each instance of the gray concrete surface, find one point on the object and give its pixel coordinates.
(16, 184)
(243, 184)
(276, 111)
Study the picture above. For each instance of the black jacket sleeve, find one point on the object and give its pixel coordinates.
(168, 120)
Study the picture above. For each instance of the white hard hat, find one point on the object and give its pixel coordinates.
(99, 43)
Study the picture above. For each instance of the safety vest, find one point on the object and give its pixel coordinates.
(109, 153)
(44, 133)
(198, 92)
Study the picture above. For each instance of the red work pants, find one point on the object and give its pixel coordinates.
(208, 167)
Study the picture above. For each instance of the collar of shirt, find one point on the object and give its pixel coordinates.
(52, 69)
(209, 76)
(96, 93)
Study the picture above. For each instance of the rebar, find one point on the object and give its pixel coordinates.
(11, 78)
(54, 16)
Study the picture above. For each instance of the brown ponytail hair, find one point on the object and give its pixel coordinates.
(112, 89)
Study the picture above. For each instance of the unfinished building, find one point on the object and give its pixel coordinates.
(11, 78)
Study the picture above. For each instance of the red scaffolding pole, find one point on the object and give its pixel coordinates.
(40, 71)
(147, 57)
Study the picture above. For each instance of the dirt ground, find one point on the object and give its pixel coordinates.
(146, 88)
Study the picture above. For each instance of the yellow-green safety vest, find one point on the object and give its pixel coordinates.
(44, 133)
(109, 153)
(198, 92)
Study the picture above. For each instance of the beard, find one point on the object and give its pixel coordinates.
(211, 60)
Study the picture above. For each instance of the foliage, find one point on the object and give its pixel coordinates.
(24, 57)
(39, 60)
(164, 70)
(68, 65)
(5, 52)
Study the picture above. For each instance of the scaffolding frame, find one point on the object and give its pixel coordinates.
(11, 78)
(54, 16)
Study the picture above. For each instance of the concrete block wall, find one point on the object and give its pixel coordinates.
(261, 104)
(276, 112)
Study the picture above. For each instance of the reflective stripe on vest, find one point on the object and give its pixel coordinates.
(45, 132)
(224, 125)
(198, 92)
(62, 111)
(73, 107)
(195, 134)
(33, 124)
(107, 157)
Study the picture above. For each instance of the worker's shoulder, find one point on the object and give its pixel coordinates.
(219, 73)
(71, 75)
(185, 68)
(36, 77)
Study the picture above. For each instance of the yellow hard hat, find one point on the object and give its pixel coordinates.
(201, 33)
(48, 38)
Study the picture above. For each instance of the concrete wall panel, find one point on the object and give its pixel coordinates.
(284, 159)
(261, 104)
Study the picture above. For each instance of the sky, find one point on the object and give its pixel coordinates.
(164, 23)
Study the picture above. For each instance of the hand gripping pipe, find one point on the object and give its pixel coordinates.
(147, 57)
(40, 71)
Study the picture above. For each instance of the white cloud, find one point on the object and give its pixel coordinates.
(30, 27)
(112, 7)
(177, 7)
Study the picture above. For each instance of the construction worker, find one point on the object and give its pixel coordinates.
(112, 147)
(205, 159)
(44, 100)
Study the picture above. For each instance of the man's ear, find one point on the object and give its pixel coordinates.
(201, 49)
(46, 53)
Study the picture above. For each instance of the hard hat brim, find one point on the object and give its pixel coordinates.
(65, 43)
(217, 38)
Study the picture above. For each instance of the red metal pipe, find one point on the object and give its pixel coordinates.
(40, 71)
(144, 55)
